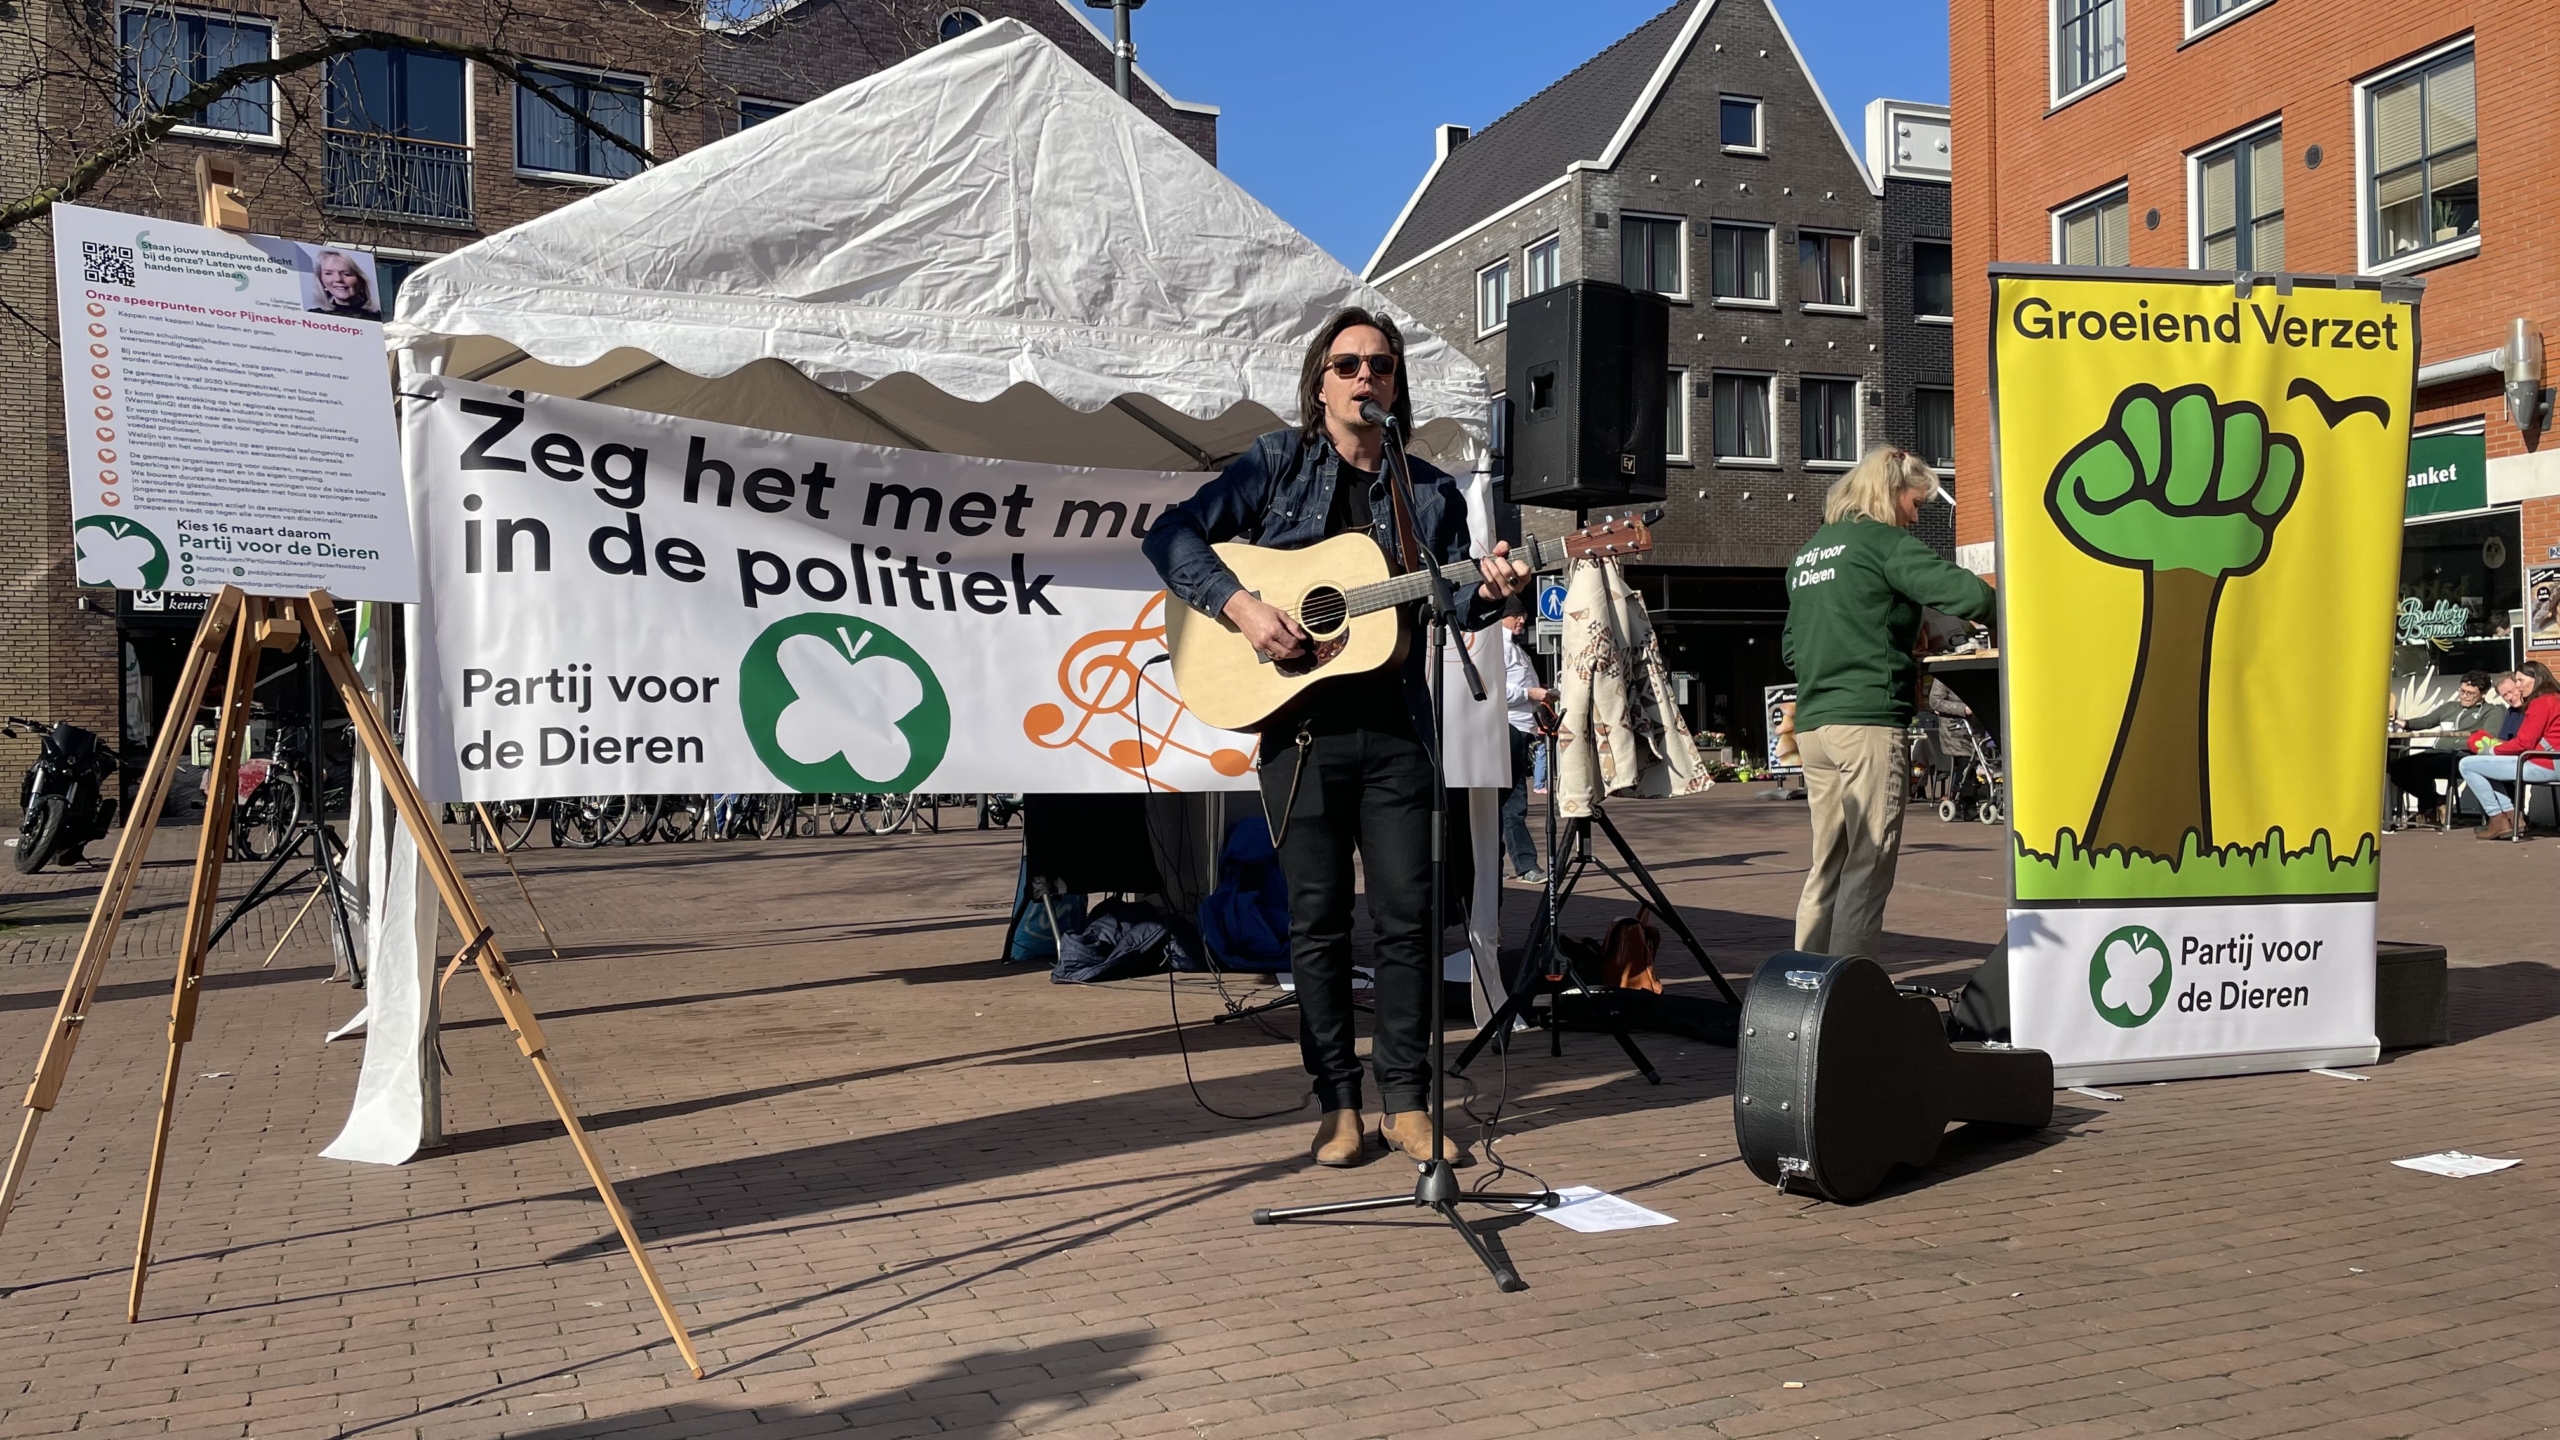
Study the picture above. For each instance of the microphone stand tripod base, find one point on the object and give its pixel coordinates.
(1435, 1188)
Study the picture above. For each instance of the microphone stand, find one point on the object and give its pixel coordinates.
(1436, 1185)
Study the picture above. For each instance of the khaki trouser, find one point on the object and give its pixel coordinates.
(1854, 777)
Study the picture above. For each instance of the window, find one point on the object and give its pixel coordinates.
(957, 23)
(1675, 415)
(1738, 256)
(1933, 421)
(2422, 159)
(2203, 15)
(549, 142)
(1742, 418)
(2088, 44)
(1828, 413)
(1827, 269)
(756, 112)
(1546, 265)
(1738, 122)
(2240, 204)
(1649, 255)
(167, 54)
(1493, 297)
(397, 140)
(389, 274)
(1933, 280)
(2093, 233)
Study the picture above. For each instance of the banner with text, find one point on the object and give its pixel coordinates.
(624, 602)
(2200, 497)
(229, 412)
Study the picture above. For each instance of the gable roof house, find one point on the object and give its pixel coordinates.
(1695, 157)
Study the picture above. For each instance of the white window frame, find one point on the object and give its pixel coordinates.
(2121, 190)
(2053, 59)
(1922, 317)
(2429, 258)
(1943, 471)
(1680, 237)
(2197, 30)
(1769, 416)
(1759, 125)
(1857, 272)
(1768, 258)
(1685, 399)
(1857, 420)
(648, 122)
(2195, 185)
(1484, 325)
(275, 99)
(1551, 242)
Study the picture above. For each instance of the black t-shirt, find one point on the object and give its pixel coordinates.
(1371, 701)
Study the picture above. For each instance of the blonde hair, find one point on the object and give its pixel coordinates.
(1870, 488)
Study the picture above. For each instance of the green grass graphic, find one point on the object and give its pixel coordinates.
(2226, 872)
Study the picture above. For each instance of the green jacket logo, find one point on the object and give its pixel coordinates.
(115, 551)
(2129, 977)
(835, 703)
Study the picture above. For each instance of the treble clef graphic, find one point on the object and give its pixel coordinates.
(1125, 715)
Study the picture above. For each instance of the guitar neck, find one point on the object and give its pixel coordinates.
(1405, 589)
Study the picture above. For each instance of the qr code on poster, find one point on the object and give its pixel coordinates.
(105, 264)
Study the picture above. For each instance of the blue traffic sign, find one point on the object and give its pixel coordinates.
(1551, 599)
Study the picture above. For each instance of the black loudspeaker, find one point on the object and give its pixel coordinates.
(1589, 371)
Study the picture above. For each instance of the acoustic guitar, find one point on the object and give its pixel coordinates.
(1342, 594)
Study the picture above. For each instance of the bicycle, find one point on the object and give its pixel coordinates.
(584, 822)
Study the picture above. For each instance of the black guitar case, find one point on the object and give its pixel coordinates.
(1839, 1077)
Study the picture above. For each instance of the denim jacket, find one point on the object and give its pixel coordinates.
(1279, 494)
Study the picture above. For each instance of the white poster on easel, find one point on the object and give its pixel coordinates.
(228, 410)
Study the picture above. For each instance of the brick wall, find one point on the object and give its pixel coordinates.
(2297, 59)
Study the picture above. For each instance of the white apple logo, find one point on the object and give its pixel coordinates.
(2130, 971)
(847, 705)
(117, 560)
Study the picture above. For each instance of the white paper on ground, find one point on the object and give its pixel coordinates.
(1592, 1211)
(2338, 1074)
(2455, 1164)
(2095, 1093)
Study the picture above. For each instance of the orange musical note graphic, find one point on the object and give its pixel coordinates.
(1125, 714)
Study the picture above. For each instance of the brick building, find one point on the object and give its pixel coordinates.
(409, 153)
(1697, 158)
(2317, 136)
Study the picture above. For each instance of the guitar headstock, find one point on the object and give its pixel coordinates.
(1613, 536)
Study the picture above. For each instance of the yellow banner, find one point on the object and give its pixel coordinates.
(2200, 497)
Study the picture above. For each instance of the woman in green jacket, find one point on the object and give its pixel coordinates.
(1854, 596)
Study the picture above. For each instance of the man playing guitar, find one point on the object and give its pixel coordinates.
(1348, 768)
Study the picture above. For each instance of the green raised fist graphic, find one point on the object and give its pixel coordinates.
(2176, 481)
(2189, 491)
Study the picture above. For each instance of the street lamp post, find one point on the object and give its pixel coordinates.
(1123, 53)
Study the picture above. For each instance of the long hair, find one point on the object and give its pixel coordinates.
(1869, 489)
(2543, 682)
(1320, 350)
(364, 287)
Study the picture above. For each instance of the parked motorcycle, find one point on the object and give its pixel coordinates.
(61, 804)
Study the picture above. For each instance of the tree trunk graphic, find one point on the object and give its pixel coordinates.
(2189, 491)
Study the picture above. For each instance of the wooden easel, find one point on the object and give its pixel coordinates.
(248, 625)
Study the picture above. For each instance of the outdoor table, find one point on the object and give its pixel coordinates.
(2406, 742)
(1975, 677)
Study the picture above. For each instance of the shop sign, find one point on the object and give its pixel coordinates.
(2448, 473)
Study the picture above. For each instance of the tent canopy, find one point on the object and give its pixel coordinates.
(982, 250)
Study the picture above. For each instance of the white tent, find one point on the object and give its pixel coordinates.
(982, 251)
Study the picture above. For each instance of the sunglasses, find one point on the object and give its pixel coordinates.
(1382, 367)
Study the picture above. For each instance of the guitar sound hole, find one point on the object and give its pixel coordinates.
(1324, 611)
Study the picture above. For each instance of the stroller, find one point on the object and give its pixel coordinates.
(1967, 777)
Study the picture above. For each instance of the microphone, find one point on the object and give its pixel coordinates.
(1371, 414)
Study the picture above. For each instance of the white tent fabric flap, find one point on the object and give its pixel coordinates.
(983, 219)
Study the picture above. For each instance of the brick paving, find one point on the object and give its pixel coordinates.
(899, 1189)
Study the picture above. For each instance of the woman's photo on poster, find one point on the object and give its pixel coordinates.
(339, 281)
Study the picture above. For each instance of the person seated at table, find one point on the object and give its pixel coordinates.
(2428, 768)
(2535, 694)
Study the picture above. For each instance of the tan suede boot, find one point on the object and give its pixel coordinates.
(1340, 1138)
(1410, 1132)
(2499, 826)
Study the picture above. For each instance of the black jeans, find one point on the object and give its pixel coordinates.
(1369, 791)
(2422, 772)
(1515, 807)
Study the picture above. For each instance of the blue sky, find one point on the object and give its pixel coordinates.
(1330, 104)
